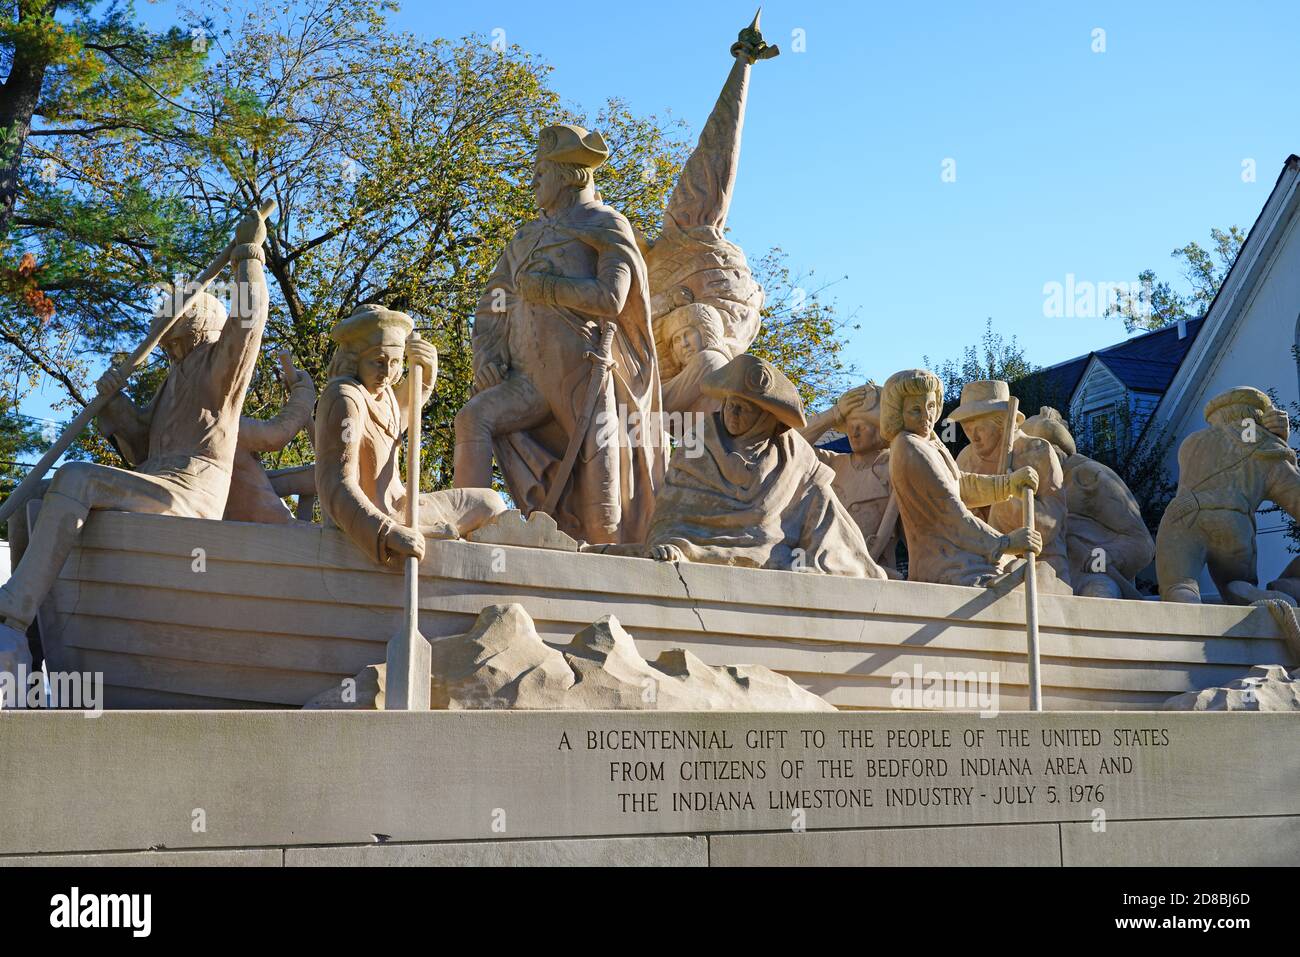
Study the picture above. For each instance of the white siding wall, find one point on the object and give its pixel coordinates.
(1259, 353)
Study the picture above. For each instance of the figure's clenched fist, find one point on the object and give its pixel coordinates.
(251, 229)
(1024, 478)
(423, 353)
(1277, 422)
(531, 286)
(403, 541)
(1024, 540)
(110, 383)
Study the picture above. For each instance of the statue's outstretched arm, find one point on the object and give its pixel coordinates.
(702, 196)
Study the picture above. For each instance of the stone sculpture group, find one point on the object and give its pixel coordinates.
(583, 322)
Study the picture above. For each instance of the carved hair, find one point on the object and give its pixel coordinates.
(574, 174)
(705, 319)
(344, 364)
(897, 388)
(346, 361)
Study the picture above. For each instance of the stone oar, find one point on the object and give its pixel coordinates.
(409, 657)
(27, 488)
(1031, 572)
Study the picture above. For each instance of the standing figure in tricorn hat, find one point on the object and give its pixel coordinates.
(360, 420)
(752, 491)
(1224, 473)
(567, 384)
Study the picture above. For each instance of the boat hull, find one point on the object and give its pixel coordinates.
(184, 613)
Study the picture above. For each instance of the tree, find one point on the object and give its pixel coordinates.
(802, 333)
(1157, 303)
(88, 91)
(993, 357)
(400, 168)
(20, 438)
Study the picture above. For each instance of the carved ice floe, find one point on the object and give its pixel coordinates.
(502, 663)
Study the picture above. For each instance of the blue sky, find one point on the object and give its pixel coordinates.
(1067, 161)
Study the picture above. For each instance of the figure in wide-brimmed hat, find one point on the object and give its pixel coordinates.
(181, 445)
(983, 417)
(360, 419)
(862, 474)
(1224, 473)
(703, 296)
(946, 542)
(1107, 541)
(562, 349)
(755, 494)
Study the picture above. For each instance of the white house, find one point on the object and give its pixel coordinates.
(1249, 337)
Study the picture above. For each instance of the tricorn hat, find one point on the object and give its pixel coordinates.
(565, 143)
(1049, 425)
(1241, 395)
(982, 397)
(761, 383)
(372, 325)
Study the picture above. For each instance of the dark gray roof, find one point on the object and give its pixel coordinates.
(1145, 363)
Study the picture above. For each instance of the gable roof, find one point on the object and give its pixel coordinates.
(1251, 265)
(1145, 363)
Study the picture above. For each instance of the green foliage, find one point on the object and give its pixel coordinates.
(95, 229)
(802, 333)
(22, 440)
(1158, 303)
(993, 357)
(400, 166)
(1137, 449)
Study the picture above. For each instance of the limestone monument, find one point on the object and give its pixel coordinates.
(253, 496)
(946, 542)
(624, 586)
(757, 495)
(182, 444)
(862, 475)
(564, 359)
(359, 425)
(703, 297)
(982, 415)
(1225, 472)
(1107, 542)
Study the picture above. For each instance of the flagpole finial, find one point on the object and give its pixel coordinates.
(750, 42)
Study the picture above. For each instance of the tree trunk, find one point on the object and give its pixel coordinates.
(18, 98)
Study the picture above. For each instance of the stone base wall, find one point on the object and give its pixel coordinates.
(1193, 842)
(679, 789)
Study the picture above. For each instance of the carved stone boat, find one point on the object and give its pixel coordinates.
(268, 616)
